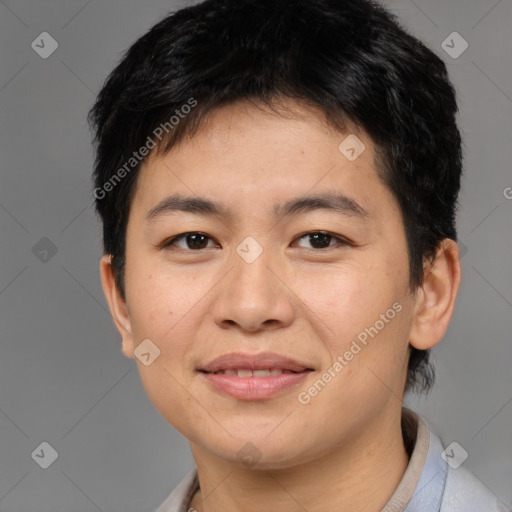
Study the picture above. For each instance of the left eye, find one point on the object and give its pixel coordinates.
(322, 239)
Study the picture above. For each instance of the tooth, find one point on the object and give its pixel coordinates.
(276, 371)
(230, 372)
(261, 373)
(244, 373)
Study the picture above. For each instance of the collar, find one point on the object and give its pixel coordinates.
(422, 485)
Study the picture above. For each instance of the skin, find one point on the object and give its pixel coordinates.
(296, 299)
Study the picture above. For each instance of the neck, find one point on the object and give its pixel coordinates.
(360, 475)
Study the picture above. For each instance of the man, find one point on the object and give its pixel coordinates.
(278, 184)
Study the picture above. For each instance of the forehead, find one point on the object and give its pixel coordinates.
(248, 156)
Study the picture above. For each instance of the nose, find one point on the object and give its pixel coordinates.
(254, 296)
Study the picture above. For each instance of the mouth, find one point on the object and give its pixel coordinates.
(254, 377)
(264, 361)
(248, 372)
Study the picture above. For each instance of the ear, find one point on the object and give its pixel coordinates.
(435, 299)
(117, 305)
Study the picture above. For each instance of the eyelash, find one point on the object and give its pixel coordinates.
(341, 241)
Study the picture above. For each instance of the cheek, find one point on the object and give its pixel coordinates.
(159, 299)
(364, 321)
(167, 391)
(162, 309)
(346, 299)
(159, 310)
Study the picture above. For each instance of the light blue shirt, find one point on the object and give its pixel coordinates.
(434, 481)
(442, 488)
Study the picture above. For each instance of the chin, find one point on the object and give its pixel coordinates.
(263, 454)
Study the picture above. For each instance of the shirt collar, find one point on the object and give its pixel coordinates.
(421, 487)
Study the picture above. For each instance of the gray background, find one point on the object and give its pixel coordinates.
(63, 378)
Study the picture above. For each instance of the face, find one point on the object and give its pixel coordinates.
(319, 282)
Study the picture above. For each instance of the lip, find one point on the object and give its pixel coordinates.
(254, 388)
(259, 361)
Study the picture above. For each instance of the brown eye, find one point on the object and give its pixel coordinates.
(191, 241)
(322, 239)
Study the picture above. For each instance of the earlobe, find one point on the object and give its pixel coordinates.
(435, 299)
(117, 305)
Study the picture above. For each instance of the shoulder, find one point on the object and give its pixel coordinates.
(447, 488)
(464, 491)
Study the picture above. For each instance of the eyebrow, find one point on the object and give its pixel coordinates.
(333, 201)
